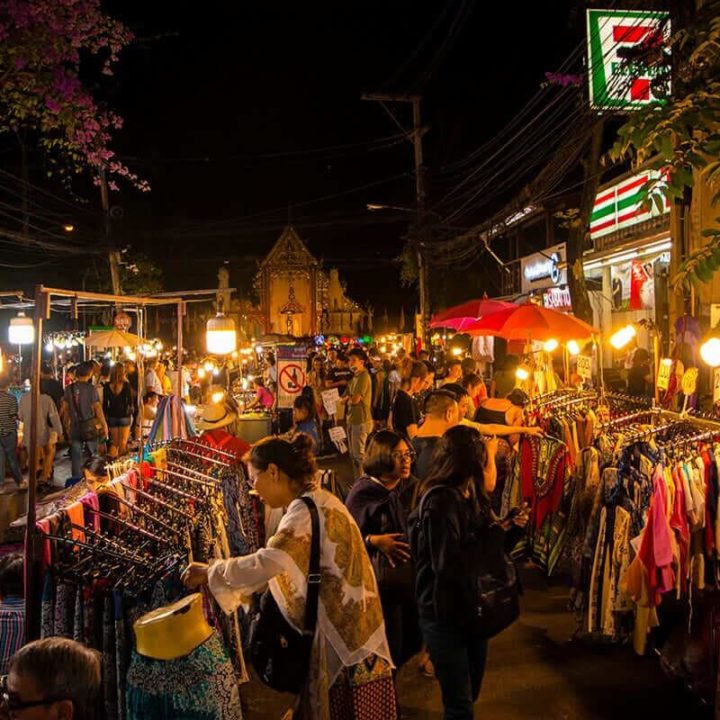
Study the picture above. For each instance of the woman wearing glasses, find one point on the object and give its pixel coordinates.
(380, 502)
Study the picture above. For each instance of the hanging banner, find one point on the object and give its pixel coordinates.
(291, 364)
(642, 285)
(623, 64)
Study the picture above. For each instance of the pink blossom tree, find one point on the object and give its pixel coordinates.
(42, 46)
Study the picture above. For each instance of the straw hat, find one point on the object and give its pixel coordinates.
(215, 416)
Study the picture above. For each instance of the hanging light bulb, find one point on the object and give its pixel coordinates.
(623, 336)
(49, 347)
(523, 372)
(551, 345)
(710, 352)
(21, 330)
(218, 396)
(573, 347)
(220, 335)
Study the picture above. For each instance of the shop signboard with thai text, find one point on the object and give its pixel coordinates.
(620, 206)
(628, 58)
(584, 367)
(544, 269)
(291, 364)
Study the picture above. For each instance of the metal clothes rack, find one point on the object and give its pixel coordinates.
(624, 419)
(565, 402)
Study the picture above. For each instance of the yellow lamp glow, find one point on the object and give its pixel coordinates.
(522, 373)
(209, 365)
(551, 345)
(21, 330)
(218, 396)
(710, 352)
(220, 335)
(573, 347)
(456, 351)
(201, 373)
(623, 336)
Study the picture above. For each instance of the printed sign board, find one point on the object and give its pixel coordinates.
(620, 206)
(291, 364)
(584, 367)
(544, 269)
(622, 57)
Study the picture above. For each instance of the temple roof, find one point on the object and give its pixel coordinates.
(289, 253)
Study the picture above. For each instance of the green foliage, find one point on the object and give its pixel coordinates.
(139, 275)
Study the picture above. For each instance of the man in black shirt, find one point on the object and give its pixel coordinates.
(340, 375)
(441, 413)
(49, 385)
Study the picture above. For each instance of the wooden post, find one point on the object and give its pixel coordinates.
(32, 544)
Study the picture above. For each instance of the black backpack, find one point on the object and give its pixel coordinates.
(494, 598)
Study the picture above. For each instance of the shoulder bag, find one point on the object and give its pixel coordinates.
(88, 428)
(279, 653)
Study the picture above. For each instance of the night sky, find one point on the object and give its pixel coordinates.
(227, 105)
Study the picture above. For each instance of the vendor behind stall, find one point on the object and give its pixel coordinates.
(264, 399)
(215, 424)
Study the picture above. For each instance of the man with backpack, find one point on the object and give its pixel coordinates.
(82, 416)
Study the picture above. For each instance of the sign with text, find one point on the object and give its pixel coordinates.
(544, 269)
(628, 58)
(291, 363)
(663, 378)
(330, 400)
(716, 385)
(584, 367)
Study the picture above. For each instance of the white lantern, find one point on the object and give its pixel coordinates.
(21, 330)
(220, 335)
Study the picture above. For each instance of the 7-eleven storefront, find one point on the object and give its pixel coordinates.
(630, 257)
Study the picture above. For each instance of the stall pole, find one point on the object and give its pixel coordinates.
(32, 605)
(180, 313)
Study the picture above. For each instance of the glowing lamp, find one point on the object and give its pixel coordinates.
(573, 347)
(209, 366)
(523, 373)
(623, 336)
(220, 335)
(21, 330)
(551, 345)
(456, 351)
(710, 352)
(201, 373)
(218, 396)
(49, 347)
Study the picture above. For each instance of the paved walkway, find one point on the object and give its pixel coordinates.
(535, 672)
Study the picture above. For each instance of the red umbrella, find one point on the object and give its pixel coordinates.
(461, 316)
(531, 322)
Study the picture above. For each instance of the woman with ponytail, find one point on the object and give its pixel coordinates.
(350, 648)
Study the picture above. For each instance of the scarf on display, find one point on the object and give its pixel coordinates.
(171, 421)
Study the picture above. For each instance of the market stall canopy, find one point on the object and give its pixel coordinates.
(529, 321)
(112, 338)
(460, 317)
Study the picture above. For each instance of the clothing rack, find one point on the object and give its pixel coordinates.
(180, 493)
(629, 418)
(158, 501)
(565, 402)
(189, 453)
(203, 446)
(129, 526)
(633, 400)
(146, 514)
(208, 480)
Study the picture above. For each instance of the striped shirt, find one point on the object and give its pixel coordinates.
(8, 413)
(12, 629)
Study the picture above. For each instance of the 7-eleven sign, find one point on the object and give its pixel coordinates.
(620, 79)
(620, 206)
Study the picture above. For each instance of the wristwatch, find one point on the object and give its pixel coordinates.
(367, 541)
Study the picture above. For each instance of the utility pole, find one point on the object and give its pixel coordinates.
(113, 255)
(415, 136)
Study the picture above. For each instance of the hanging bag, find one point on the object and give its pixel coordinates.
(279, 653)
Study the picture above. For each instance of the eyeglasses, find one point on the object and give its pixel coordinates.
(407, 455)
(9, 706)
